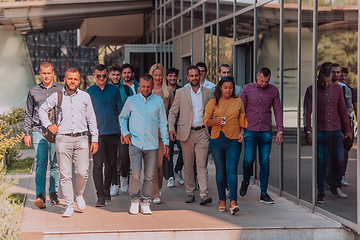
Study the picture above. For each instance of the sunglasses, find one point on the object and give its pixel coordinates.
(101, 76)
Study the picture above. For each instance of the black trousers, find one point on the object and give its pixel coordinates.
(122, 163)
(105, 156)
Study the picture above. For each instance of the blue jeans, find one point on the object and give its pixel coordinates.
(179, 163)
(41, 147)
(329, 148)
(226, 153)
(136, 157)
(263, 141)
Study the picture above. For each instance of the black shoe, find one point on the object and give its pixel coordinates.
(54, 198)
(244, 188)
(100, 202)
(265, 198)
(107, 196)
(205, 200)
(190, 199)
(334, 192)
(40, 201)
(320, 198)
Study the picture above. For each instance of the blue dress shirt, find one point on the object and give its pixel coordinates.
(143, 118)
(107, 105)
(77, 113)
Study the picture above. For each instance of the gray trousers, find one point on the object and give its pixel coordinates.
(72, 150)
(137, 156)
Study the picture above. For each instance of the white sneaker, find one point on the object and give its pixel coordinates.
(180, 178)
(157, 200)
(68, 212)
(124, 184)
(145, 209)
(344, 182)
(80, 202)
(341, 194)
(134, 208)
(114, 190)
(171, 182)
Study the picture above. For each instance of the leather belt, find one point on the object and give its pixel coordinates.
(76, 134)
(197, 128)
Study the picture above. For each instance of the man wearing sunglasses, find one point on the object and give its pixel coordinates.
(107, 104)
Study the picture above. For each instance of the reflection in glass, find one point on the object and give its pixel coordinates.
(268, 55)
(226, 7)
(245, 25)
(337, 43)
(210, 11)
(198, 16)
(210, 53)
(226, 40)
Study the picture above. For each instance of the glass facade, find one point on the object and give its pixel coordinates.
(293, 38)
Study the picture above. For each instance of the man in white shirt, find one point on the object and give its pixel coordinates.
(224, 70)
(188, 111)
(203, 81)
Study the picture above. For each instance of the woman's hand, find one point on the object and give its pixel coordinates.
(218, 121)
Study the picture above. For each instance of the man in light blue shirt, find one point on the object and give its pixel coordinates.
(141, 119)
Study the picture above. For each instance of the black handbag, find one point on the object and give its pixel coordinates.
(165, 167)
(53, 116)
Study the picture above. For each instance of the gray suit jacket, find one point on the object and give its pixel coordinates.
(182, 112)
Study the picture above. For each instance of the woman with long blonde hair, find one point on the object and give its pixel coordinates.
(162, 90)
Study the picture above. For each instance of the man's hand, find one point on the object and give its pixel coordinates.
(166, 150)
(279, 138)
(53, 128)
(241, 137)
(172, 135)
(126, 139)
(348, 134)
(27, 140)
(308, 138)
(94, 147)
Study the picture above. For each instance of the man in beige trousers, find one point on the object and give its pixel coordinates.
(188, 110)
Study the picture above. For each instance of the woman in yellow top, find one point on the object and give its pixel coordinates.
(166, 93)
(225, 113)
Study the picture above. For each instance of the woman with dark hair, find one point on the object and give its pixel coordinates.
(225, 113)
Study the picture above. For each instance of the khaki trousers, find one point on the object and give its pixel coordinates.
(197, 142)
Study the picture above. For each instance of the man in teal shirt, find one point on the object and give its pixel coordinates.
(141, 119)
(128, 86)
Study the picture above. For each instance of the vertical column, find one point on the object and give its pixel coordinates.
(314, 104)
(298, 101)
(358, 142)
(281, 91)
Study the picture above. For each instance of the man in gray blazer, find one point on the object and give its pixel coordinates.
(187, 112)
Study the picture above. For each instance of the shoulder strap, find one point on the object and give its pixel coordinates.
(343, 88)
(58, 106)
(127, 90)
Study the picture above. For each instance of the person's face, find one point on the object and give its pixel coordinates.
(202, 73)
(100, 77)
(127, 74)
(336, 72)
(158, 76)
(262, 81)
(172, 78)
(344, 77)
(224, 72)
(226, 90)
(324, 81)
(47, 75)
(146, 87)
(193, 77)
(72, 81)
(115, 77)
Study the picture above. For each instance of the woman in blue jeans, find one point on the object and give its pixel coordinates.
(225, 113)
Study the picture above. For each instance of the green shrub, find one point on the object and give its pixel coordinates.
(10, 210)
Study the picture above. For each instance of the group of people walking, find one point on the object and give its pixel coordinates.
(133, 127)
